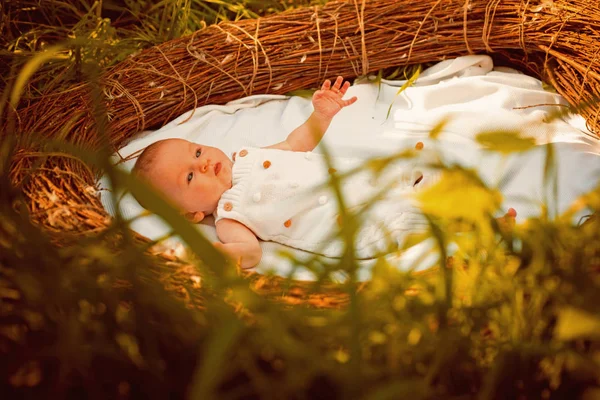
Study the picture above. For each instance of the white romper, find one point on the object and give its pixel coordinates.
(283, 196)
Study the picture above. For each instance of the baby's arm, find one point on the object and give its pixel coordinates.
(239, 242)
(327, 102)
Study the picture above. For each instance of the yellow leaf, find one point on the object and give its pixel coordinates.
(438, 128)
(505, 142)
(129, 345)
(459, 194)
(414, 336)
(377, 337)
(574, 323)
(413, 239)
(341, 356)
(592, 199)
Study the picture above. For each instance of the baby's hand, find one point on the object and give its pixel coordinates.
(328, 101)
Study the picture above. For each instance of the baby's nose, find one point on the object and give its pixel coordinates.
(204, 165)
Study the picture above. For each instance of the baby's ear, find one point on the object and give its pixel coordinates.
(194, 217)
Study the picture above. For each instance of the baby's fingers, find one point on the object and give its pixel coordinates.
(337, 84)
(344, 88)
(326, 85)
(349, 101)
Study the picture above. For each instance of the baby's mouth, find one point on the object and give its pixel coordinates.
(217, 168)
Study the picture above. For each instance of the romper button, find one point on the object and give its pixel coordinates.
(257, 196)
(419, 146)
(243, 153)
(322, 200)
(228, 206)
(267, 164)
(233, 155)
(287, 223)
(332, 170)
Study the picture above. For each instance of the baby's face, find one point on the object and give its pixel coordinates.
(193, 176)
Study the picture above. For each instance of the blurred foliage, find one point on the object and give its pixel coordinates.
(512, 314)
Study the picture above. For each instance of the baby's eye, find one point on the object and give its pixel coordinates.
(198, 152)
(190, 177)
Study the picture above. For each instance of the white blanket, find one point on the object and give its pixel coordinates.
(468, 89)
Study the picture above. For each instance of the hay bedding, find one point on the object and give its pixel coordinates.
(554, 40)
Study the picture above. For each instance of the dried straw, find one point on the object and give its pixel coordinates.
(557, 40)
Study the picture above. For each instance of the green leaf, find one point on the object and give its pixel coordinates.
(394, 73)
(53, 52)
(505, 142)
(409, 82)
(551, 181)
(548, 87)
(304, 93)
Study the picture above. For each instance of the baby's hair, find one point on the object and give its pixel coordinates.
(143, 164)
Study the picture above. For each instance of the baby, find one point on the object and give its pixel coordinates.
(280, 192)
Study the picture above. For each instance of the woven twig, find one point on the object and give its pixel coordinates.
(298, 49)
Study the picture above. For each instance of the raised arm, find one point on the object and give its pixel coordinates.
(327, 102)
(239, 243)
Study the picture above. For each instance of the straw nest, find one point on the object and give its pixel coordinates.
(556, 40)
